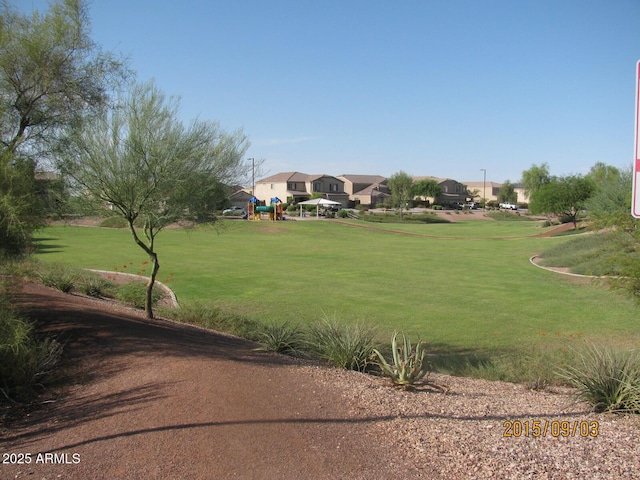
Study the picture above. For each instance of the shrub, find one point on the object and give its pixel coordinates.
(281, 338)
(344, 346)
(25, 361)
(507, 216)
(343, 213)
(59, 276)
(134, 294)
(114, 222)
(608, 380)
(211, 317)
(94, 285)
(409, 365)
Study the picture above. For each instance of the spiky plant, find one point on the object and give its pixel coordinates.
(409, 365)
(608, 380)
(281, 338)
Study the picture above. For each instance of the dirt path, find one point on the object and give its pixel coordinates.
(159, 400)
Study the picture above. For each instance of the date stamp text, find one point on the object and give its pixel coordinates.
(553, 428)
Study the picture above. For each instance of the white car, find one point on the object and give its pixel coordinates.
(509, 206)
(234, 211)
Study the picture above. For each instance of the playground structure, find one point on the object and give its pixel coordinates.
(273, 210)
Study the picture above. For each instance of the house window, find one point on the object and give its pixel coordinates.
(333, 187)
(293, 186)
(273, 186)
(445, 189)
(317, 186)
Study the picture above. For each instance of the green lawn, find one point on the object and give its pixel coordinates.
(468, 285)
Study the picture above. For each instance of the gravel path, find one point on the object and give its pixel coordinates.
(156, 400)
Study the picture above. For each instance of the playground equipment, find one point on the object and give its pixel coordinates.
(274, 210)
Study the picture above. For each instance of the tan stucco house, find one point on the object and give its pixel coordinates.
(294, 187)
(452, 191)
(366, 189)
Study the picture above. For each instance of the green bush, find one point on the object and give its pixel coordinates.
(114, 222)
(59, 276)
(344, 346)
(25, 361)
(535, 368)
(208, 316)
(507, 216)
(407, 218)
(606, 379)
(281, 338)
(134, 294)
(94, 285)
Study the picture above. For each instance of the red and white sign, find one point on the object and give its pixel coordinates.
(635, 199)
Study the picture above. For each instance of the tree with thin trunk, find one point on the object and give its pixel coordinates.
(401, 185)
(141, 161)
(563, 196)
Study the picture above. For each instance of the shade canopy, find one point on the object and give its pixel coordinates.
(319, 201)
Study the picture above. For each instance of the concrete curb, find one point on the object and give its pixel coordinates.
(167, 290)
(531, 260)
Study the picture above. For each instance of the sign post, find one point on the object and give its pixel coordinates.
(635, 198)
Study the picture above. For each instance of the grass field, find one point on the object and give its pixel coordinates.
(466, 285)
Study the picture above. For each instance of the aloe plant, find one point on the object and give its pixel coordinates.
(408, 366)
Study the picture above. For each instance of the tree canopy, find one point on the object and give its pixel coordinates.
(401, 185)
(51, 75)
(534, 178)
(507, 193)
(427, 188)
(150, 168)
(564, 196)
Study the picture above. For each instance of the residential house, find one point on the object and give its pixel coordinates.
(492, 190)
(488, 190)
(240, 197)
(452, 191)
(294, 187)
(366, 189)
(520, 192)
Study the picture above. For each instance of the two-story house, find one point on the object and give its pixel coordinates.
(451, 191)
(366, 189)
(294, 187)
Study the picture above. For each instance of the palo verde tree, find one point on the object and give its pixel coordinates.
(153, 170)
(51, 75)
(427, 188)
(563, 196)
(401, 185)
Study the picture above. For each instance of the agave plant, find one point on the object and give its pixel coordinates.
(408, 366)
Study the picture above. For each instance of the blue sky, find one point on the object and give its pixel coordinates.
(431, 87)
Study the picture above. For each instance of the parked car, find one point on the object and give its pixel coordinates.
(509, 206)
(234, 211)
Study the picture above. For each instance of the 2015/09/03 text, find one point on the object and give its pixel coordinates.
(554, 428)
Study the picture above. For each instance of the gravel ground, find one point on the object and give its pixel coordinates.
(155, 399)
(483, 429)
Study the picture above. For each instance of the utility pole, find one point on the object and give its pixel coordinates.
(484, 189)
